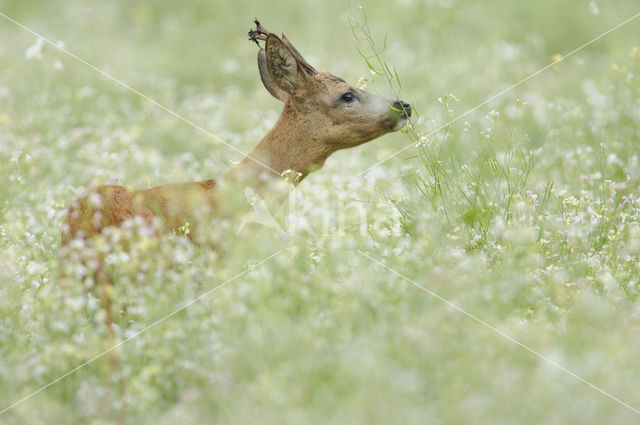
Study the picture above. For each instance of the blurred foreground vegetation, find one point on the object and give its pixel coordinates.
(524, 213)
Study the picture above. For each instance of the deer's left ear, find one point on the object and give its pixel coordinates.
(285, 71)
(265, 76)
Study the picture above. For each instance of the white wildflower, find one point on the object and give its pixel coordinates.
(35, 50)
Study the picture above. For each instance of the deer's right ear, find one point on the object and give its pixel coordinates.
(283, 67)
(271, 87)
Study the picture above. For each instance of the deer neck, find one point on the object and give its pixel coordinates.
(290, 147)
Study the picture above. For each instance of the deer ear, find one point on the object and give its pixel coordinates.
(271, 87)
(284, 69)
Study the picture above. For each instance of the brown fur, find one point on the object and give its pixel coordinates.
(105, 206)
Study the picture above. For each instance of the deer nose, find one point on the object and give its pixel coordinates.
(406, 107)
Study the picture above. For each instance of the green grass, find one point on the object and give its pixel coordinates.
(524, 213)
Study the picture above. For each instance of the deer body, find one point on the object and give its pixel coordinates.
(322, 114)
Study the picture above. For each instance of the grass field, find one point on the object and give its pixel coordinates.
(487, 274)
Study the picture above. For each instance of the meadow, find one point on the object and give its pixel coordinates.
(488, 273)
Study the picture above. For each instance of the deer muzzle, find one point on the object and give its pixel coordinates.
(400, 113)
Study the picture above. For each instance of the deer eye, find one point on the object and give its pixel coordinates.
(348, 97)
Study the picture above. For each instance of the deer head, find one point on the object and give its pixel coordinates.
(322, 113)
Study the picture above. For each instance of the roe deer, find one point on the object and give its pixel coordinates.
(322, 114)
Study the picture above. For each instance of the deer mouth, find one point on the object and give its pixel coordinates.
(400, 123)
(397, 120)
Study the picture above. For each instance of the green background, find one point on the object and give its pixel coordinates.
(524, 213)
